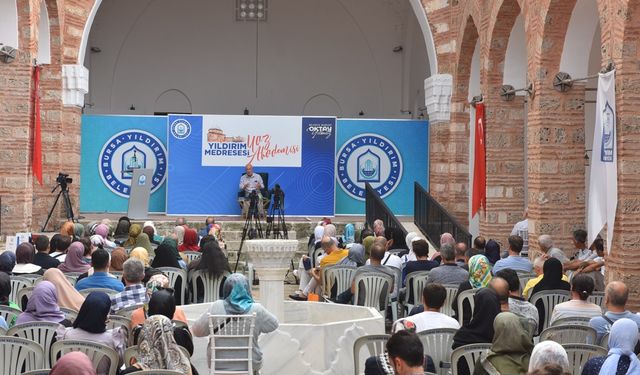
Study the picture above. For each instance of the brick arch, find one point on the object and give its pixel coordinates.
(54, 29)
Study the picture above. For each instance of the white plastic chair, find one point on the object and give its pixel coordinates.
(598, 299)
(23, 296)
(468, 296)
(72, 277)
(414, 283)
(231, 339)
(95, 351)
(126, 311)
(524, 279)
(107, 291)
(315, 255)
(38, 372)
(604, 341)
(211, 285)
(338, 275)
(437, 343)
(192, 255)
(579, 320)
(579, 354)
(375, 345)
(18, 354)
(69, 314)
(132, 353)
(119, 321)
(9, 313)
(158, 372)
(18, 283)
(174, 274)
(452, 292)
(41, 332)
(570, 334)
(376, 288)
(549, 299)
(471, 353)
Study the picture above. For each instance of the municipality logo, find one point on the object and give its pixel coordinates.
(368, 158)
(129, 150)
(180, 128)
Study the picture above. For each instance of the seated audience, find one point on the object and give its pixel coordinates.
(143, 241)
(367, 242)
(433, 298)
(134, 232)
(546, 246)
(134, 292)
(492, 252)
(480, 328)
(24, 260)
(615, 298)
(75, 260)
(448, 272)
(479, 243)
(517, 304)
(158, 349)
(67, 229)
(422, 262)
(213, 262)
(58, 246)
(172, 244)
(333, 255)
(597, 264)
(73, 363)
(375, 265)
(91, 325)
(190, 242)
(581, 289)
(501, 287)
(478, 277)
(404, 356)
(621, 359)
(510, 349)
(408, 240)
(165, 257)
(514, 261)
(7, 262)
(582, 254)
(118, 257)
(179, 231)
(210, 220)
(237, 300)
(43, 306)
(151, 234)
(549, 353)
(552, 277)
(461, 250)
(349, 235)
(42, 257)
(389, 259)
(100, 278)
(103, 230)
(355, 258)
(395, 241)
(156, 283)
(68, 296)
(121, 234)
(142, 255)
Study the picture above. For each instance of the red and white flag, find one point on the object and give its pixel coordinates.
(479, 192)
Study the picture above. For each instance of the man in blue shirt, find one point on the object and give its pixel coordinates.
(514, 261)
(100, 277)
(615, 298)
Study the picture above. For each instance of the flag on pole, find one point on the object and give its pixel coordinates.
(37, 137)
(603, 182)
(479, 193)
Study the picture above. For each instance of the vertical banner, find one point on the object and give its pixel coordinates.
(389, 154)
(603, 183)
(479, 193)
(112, 147)
(209, 154)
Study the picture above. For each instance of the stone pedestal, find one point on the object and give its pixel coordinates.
(271, 259)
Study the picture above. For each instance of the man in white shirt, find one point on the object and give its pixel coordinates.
(250, 182)
(433, 297)
(521, 225)
(583, 253)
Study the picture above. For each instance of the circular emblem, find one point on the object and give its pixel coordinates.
(180, 128)
(129, 150)
(368, 158)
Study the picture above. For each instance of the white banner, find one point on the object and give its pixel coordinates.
(264, 141)
(603, 182)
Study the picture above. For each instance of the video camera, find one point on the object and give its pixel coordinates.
(278, 196)
(63, 179)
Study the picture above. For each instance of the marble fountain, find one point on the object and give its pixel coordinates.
(313, 338)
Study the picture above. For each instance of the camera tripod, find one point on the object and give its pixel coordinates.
(275, 220)
(252, 226)
(68, 208)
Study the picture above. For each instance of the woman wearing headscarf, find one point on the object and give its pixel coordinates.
(67, 229)
(492, 251)
(172, 244)
(190, 241)
(237, 300)
(134, 232)
(5, 292)
(155, 238)
(355, 257)
(156, 282)
(91, 325)
(349, 234)
(314, 241)
(511, 347)
(43, 306)
(552, 277)
(479, 277)
(165, 257)
(122, 229)
(179, 231)
(118, 257)
(73, 363)
(75, 260)
(102, 230)
(411, 256)
(68, 296)
(158, 348)
(7, 262)
(549, 352)
(78, 230)
(367, 242)
(141, 254)
(143, 241)
(24, 259)
(445, 238)
(621, 360)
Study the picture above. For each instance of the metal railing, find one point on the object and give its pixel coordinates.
(433, 219)
(375, 208)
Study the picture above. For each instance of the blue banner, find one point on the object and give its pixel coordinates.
(389, 154)
(111, 147)
(208, 154)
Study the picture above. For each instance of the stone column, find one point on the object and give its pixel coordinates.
(271, 259)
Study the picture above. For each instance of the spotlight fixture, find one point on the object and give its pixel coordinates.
(132, 108)
(246, 111)
(397, 49)
(7, 54)
(251, 10)
(96, 49)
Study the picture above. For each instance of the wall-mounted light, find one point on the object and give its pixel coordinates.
(251, 10)
(397, 49)
(7, 54)
(246, 111)
(361, 113)
(132, 108)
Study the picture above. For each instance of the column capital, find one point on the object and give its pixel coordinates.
(437, 97)
(75, 84)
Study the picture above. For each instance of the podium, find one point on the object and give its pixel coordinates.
(139, 194)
